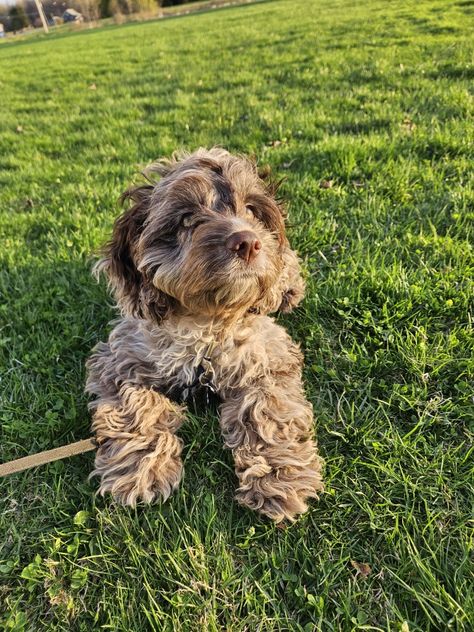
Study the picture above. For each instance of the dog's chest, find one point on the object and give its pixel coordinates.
(196, 382)
(187, 364)
(190, 360)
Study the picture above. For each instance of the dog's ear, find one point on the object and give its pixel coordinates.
(291, 284)
(133, 291)
(287, 291)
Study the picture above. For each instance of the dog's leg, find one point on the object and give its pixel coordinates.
(138, 455)
(269, 427)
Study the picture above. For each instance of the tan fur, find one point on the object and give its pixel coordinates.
(184, 296)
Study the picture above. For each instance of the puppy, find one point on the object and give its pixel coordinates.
(196, 263)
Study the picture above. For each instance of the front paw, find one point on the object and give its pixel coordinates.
(133, 469)
(280, 493)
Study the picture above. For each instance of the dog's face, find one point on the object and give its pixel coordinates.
(208, 238)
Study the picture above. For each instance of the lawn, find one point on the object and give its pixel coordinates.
(366, 110)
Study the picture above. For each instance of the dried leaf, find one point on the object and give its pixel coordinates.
(361, 568)
(408, 125)
(277, 142)
(326, 184)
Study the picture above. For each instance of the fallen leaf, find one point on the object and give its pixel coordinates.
(277, 142)
(361, 568)
(326, 184)
(61, 598)
(407, 125)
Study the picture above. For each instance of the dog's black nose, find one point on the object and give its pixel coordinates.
(245, 244)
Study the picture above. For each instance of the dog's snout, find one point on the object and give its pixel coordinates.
(245, 245)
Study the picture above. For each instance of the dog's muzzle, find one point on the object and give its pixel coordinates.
(245, 245)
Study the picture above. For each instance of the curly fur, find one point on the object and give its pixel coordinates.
(183, 296)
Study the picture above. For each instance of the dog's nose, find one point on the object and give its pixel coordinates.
(245, 244)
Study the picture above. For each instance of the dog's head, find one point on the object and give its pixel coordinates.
(207, 238)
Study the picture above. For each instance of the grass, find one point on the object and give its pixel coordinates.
(366, 109)
(160, 12)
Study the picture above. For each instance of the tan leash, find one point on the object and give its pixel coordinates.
(48, 456)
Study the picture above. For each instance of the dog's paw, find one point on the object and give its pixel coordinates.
(281, 494)
(132, 472)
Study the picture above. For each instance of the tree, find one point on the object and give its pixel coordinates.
(105, 9)
(18, 19)
(128, 7)
(90, 9)
(144, 6)
(169, 3)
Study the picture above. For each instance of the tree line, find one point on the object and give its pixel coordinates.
(17, 17)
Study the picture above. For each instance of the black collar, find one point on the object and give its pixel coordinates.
(203, 379)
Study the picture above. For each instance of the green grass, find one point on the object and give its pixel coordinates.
(374, 97)
(60, 30)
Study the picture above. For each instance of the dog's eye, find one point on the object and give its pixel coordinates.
(249, 211)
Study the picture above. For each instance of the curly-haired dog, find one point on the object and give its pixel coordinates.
(197, 263)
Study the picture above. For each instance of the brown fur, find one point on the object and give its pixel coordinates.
(183, 296)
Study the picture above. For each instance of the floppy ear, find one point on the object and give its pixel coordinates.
(133, 291)
(287, 291)
(292, 284)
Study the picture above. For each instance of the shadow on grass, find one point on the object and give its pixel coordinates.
(358, 128)
(53, 314)
(453, 72)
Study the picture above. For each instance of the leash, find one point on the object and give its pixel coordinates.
(48, 456)
(204, 378)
